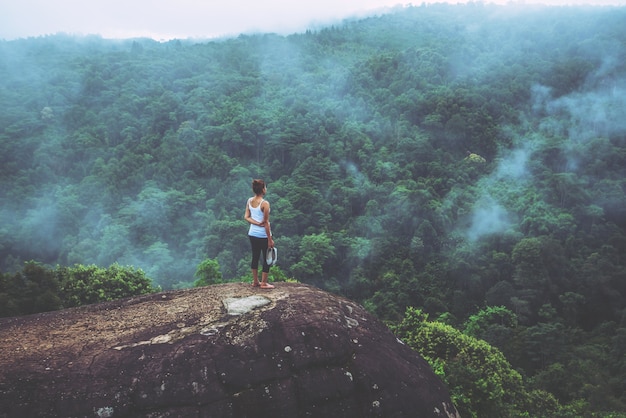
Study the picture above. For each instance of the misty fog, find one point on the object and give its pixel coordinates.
(447, 157)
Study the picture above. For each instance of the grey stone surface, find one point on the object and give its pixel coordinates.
(227, 350)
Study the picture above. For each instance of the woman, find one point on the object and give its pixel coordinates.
(260, 233)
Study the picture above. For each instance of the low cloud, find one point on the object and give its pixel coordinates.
(488, 217)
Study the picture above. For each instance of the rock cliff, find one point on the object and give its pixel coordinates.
(220, 351)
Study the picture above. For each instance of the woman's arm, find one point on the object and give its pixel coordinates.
(266, 223)
(247, 216)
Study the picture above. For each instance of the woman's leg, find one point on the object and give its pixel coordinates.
(266, 267)
(254, 264)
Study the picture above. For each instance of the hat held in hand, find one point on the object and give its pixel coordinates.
(271, 256)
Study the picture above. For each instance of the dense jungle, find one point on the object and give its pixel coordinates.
(459, 170)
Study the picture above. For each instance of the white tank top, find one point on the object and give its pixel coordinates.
(257, 215)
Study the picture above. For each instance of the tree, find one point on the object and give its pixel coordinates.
(34, 289)
(38, 289)
(82, 285)
(481, 380)
(314, 251)
(494, 324)
(208, 273)
(145, 151)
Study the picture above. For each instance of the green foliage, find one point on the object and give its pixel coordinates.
(276, 274)
(208, 273)
(495, 324)
(34, 289)
(477, 325)
(38, 289)
(141, 153)
(481, 380)
(83, 285)
(315, 250)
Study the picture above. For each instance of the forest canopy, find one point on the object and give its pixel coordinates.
(460, 159)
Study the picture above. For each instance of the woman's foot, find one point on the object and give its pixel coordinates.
(266, 286)
(256, 284)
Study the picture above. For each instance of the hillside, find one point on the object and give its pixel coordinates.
(452, 158)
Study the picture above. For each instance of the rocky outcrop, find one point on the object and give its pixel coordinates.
(220, 351)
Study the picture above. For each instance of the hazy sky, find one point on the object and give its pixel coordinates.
(167, 19)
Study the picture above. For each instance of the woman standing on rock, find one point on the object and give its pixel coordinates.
(260, 233)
